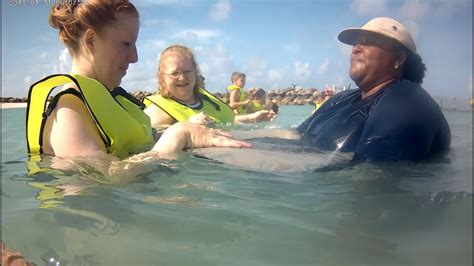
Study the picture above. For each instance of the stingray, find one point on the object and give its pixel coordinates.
(274, 150)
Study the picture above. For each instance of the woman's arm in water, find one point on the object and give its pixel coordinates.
(184, 135)
(259, 116)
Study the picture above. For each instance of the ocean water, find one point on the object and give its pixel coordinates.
(193, 211)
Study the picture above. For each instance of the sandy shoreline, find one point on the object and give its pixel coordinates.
(12, 105)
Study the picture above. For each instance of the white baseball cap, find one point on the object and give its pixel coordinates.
(387, 27)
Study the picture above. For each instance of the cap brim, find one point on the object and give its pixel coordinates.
(350, 35)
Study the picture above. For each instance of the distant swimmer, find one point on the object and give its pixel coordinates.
(390, 116)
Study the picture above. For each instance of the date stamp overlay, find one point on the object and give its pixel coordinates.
(45, 2)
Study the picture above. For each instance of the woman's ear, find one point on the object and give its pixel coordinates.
(89, 40)
(400, 58)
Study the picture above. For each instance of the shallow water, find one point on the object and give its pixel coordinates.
(197, 212)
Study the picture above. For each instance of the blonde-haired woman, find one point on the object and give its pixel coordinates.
(182, 96)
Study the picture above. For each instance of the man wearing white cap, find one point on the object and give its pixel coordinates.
(390, 116)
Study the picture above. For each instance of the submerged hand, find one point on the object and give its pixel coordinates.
(264, 115)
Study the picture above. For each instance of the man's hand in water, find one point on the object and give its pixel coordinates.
(264, 115)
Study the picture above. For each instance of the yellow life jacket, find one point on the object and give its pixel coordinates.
(243, 97)
(316, 106)
(256, 106)
(122, 124)
(211, 106)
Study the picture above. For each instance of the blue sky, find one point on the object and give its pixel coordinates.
(276, 43)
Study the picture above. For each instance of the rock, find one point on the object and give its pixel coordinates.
(13, 258)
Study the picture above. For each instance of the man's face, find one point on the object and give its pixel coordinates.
(372, 61)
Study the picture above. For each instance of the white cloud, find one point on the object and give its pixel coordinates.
(220, 10)
(141, 76)
(418, 9)
(275, 75)
(412, 27)
(259, 74)
(323, 68)
(369, 7)
(302, 70)
(152, 48)
(291, 48)
(141, 4)
(255, 66)
(147, 3)
(449, 8)
(43, 55)
(28, 80)
(216, 65)
(345, 49)
(196, 34)
(414, 9)
(154, 22)
(219, 61)
(256, 71)
(65, 64)
(198, 49)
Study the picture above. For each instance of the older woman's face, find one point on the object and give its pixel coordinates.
(372, 61)
(179, 76)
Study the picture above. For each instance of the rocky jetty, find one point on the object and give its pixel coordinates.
(13, 100)
(288, 96)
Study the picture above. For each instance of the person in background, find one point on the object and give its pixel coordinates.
(238, 98)
(257, 100)
(320, 99)
(181, 95)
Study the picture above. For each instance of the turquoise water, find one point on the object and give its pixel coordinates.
(198, 212)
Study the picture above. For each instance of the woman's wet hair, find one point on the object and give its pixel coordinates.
(73, 18)
(185, 52)
(413, 68)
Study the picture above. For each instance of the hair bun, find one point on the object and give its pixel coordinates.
(62, 14)
(72, 19)
(63, 18)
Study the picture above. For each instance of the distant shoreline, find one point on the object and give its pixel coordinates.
(288, 96)
(12, 105)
